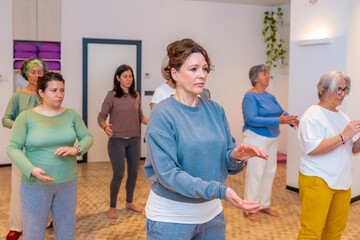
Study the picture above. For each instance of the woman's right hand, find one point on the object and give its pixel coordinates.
(40, 174)
(238, 202)
(108, 130)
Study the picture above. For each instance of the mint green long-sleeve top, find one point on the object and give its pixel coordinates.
(41, 135)
(19, 101)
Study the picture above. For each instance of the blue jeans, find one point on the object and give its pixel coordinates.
(214, 229)
(36, 202)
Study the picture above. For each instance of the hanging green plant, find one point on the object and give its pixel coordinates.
(275, 52)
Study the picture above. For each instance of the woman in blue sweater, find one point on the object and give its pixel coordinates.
(190, 154)
(262, 117)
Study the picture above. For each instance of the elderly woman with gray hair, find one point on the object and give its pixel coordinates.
(327, 140)
(262, 117)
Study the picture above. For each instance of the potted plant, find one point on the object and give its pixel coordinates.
(275, 52)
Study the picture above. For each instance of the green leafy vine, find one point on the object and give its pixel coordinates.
(275, 52)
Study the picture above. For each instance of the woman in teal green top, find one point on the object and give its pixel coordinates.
(49, 177)
(27, 97)
(24, 99)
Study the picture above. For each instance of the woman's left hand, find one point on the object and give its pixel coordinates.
(295, 123)
(246, 151)
(66, 151)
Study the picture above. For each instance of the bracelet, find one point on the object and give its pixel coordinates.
(342, 139)
(357, 143)
(105, 127)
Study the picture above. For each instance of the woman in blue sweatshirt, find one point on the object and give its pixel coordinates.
(262, 117)
(190, 154)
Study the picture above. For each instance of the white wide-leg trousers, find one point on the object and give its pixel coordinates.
(260, 173)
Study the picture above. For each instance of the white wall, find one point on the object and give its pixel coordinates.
(279, 85)
(6, 55)
(324, 19)
(231, 33)
(353, 70)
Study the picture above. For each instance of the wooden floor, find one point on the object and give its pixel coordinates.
(93, 202)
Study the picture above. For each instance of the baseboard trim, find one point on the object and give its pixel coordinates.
(292, 188)
(354, 199)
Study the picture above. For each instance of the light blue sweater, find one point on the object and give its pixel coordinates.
(189, 151)
(261, 114)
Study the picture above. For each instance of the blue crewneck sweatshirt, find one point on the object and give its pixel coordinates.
(261, 113)
(189, 151)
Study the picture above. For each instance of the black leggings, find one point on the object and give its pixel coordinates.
(118, 149)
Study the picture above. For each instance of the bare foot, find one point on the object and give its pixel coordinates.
(133, 207)
(252, 217)
(112, 213)
(270, 212)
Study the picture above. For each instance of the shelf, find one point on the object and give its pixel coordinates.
(43, 59)
(312, 42)
(27, 46)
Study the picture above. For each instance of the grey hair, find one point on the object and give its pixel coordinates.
(254, 72)
(329, 82)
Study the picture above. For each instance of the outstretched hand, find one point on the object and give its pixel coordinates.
(238, 202)
(40, 174)
(295, 123)
(351, 129)
(246, 151)
(289, 119)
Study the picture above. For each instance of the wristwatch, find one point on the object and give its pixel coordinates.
(79, 150)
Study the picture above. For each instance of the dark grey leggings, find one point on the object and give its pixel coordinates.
(118, 149)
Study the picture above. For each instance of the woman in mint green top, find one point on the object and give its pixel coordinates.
(26, 98)
(41, 135)
(49, 177)
(19, 101)
(22, 100)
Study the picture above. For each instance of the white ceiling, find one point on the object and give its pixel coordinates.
(252, 2)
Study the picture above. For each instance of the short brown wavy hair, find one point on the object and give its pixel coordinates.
(178, 52)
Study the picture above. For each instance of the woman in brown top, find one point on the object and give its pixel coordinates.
(124, 107)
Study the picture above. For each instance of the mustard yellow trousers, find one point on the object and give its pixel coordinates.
(324, 211)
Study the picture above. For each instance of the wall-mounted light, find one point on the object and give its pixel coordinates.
(320, 41)
(313, 1)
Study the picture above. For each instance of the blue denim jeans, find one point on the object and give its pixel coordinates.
(214, 229)
(36, 202)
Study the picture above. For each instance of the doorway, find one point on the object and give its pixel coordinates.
(101, 57)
